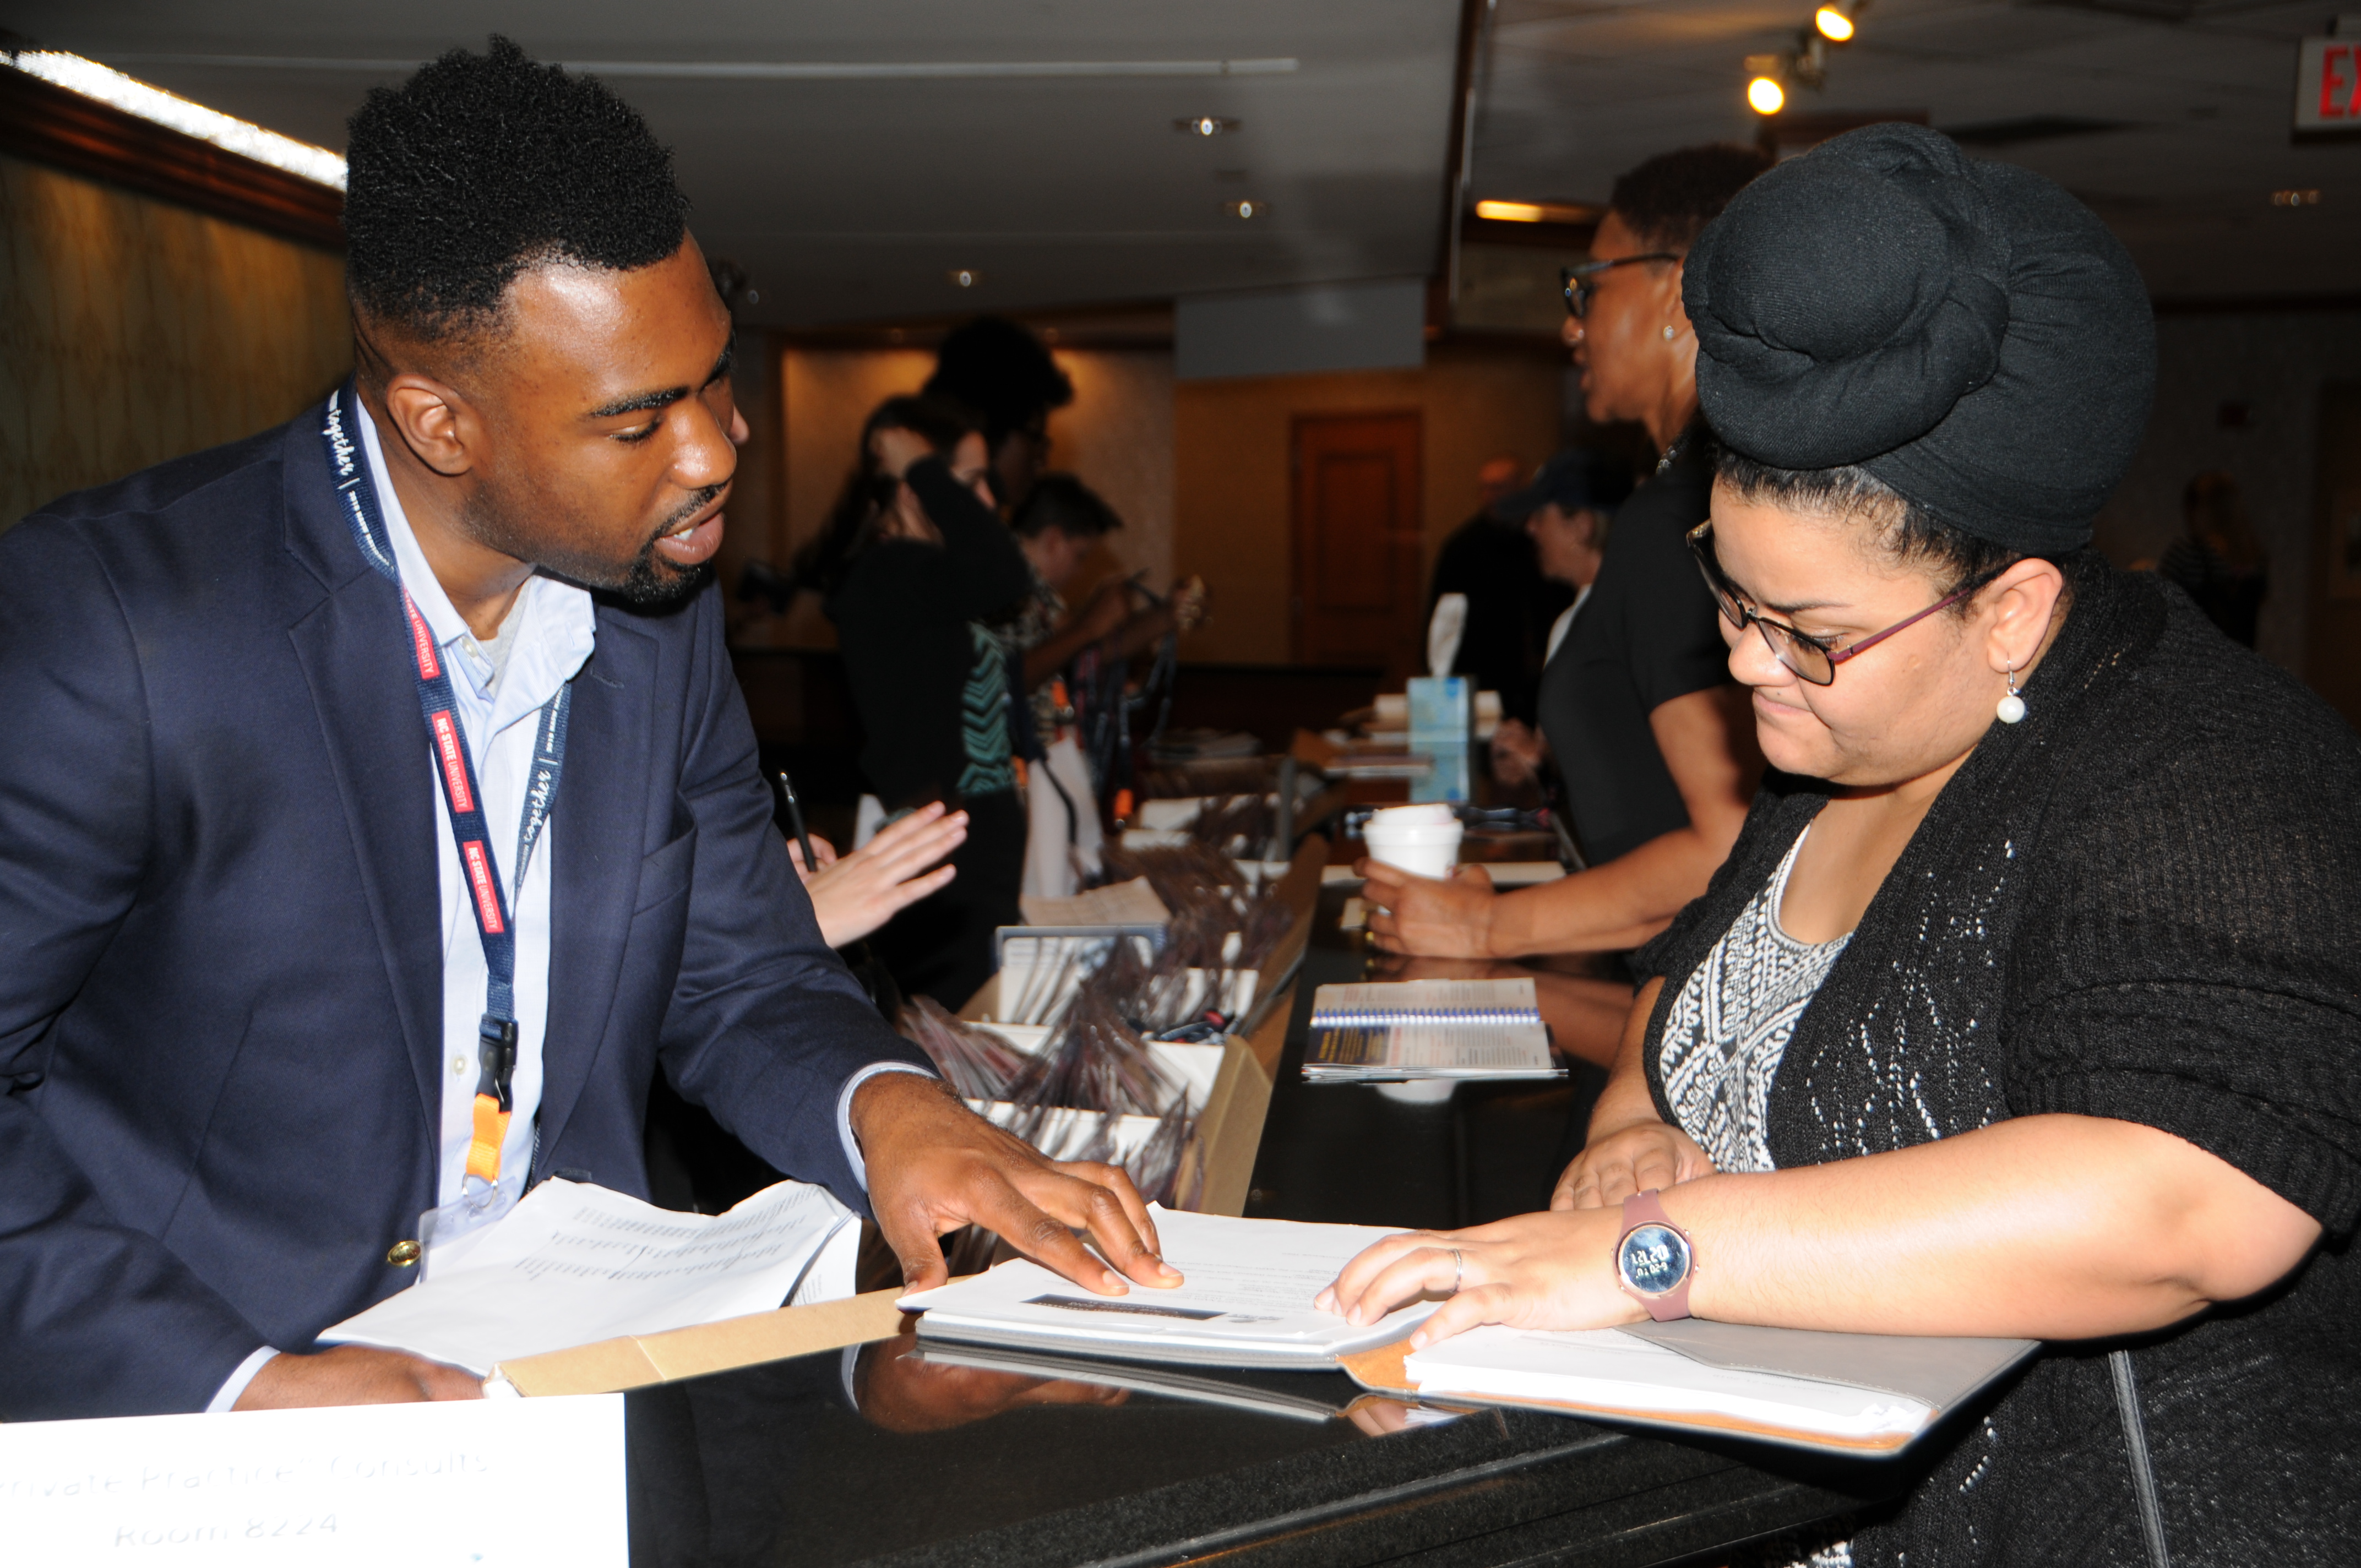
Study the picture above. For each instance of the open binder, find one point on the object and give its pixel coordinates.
(1731, 1379)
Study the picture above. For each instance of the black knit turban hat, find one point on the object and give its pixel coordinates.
(1967, 332)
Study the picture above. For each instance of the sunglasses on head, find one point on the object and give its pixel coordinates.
(1811, 658)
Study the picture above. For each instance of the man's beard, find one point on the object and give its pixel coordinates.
(649, 582)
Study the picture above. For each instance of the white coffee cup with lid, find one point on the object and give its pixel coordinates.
(1420, 839)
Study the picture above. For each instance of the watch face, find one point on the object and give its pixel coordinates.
(1653, 1259)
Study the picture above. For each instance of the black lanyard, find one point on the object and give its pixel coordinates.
(456, 768)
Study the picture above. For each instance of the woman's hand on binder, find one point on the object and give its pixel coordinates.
(1553, 1270)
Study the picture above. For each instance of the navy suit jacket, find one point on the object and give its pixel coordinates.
(221, 994)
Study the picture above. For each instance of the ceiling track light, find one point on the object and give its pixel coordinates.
(1765, 94)
(1839, 20)
(1205, 125)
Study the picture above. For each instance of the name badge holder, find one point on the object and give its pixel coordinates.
(486, 1193)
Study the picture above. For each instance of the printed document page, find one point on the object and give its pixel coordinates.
(1247, 1302)
(573, 1265)
(1608, 1368)
(466, 1481)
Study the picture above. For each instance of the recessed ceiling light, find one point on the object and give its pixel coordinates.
(2305, 198)
(964, 277)
(1206, 126)
(1248, 209)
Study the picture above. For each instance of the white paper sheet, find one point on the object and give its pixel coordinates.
(1610, 1368)
(573, 1265)
(1247, 1302)
(518, 1482)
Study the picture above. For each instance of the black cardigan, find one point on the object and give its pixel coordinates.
(2143, 902)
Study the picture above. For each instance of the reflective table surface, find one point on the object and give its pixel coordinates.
(885, 1455)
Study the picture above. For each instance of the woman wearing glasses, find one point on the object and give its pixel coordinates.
(2030, 1002)
(1647, 732)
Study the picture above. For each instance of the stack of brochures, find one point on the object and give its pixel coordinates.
(1246, 1301)
(1428, 1029)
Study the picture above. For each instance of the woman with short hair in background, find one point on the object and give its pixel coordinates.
(1651, 739)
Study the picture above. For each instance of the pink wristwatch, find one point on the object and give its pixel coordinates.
(1653, 1259)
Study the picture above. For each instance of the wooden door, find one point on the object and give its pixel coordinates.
(2333, 657)
(1356, 532)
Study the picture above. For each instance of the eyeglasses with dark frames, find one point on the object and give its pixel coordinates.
(1809, 657)
(1581, 280)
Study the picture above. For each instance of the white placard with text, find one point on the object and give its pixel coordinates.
(477, 1482)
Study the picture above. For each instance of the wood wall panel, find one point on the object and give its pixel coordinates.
(133, 330)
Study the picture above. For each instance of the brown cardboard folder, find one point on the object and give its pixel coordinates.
(1941, 1373)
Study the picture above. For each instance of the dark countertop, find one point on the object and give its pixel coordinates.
(955, 1466)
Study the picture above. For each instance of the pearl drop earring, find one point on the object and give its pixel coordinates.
(1668, 334)
(2011, 707)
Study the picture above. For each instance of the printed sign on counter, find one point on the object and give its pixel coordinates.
(492, 1482)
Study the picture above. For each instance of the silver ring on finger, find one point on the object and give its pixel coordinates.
(1458, 1270)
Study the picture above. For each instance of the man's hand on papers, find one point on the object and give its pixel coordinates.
(354, 1375)
(935, 1165)
(1445, 919)
(1553, 1270)
(1646, 1157)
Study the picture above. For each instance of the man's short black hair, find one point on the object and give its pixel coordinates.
(482, 166)
(1667, 201)
(1065, 503)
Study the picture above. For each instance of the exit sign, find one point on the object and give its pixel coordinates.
(2328, 82)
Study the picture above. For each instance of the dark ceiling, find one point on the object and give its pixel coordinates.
(853, 155)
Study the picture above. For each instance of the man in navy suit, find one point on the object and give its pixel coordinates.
(380, 814)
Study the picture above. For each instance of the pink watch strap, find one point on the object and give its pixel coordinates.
(1643, 1208)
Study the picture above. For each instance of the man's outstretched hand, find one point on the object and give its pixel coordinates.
(354, 1375)
(934, 1166)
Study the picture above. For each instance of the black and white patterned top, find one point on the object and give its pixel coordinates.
(2138, 904)
(1729, 1025)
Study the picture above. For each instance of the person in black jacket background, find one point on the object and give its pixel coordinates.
(913, 562)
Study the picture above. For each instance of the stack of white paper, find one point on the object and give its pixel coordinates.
(494, 1482)
(1247, 1302)
(573, 1265)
